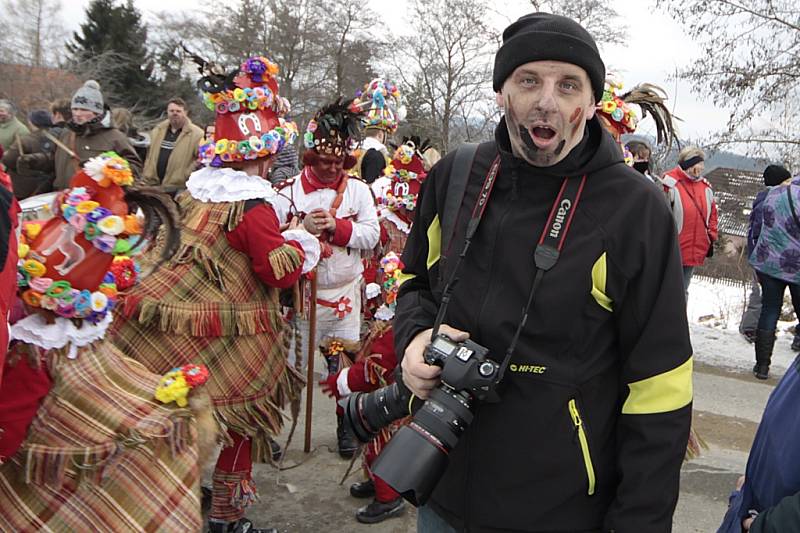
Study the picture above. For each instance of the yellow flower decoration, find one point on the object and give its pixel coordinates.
(111, 225)
(173, 388)
(32, 231)
(86, 207)
(34, 268)
(22, 250)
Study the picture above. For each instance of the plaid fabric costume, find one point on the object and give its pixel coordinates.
(102, 454)
(208, 307)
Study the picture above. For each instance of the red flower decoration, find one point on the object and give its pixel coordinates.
(124, 271)
(195, 374)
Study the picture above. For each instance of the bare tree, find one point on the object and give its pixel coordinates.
(598, 17)
(446, 64)
(750, 64)
(33, 34)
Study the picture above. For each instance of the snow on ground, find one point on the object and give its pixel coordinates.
(714, 312)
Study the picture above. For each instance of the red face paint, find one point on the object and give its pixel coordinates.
(575, 115)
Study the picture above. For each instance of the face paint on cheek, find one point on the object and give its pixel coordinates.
(524, 135)
(575, 115)
(526, 138)
(560, 147)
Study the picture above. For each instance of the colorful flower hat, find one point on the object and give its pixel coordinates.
(335, 129)
(249, 114)
(381, 101)
(407, 172)
(75, 263)
(389, 273)
(614, 112)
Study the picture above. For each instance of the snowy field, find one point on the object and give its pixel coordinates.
(715, 311)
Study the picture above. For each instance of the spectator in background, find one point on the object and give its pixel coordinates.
(123, 120)
(767, 498)
(30, 182)
(692, 202)
(773, 175)
(89, 133)
(775, 240)
(173, 148)
(642, 154)
(60, 114)
(285, 165)
(10, 126)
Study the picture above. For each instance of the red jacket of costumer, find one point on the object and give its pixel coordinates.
(695, 212)
(372, 371)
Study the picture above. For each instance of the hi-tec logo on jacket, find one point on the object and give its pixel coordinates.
(558, 222)
(527, 369)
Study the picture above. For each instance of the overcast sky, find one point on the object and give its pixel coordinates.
(656, 47)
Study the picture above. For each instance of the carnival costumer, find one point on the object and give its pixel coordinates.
(216, 302)
(380, 99)
(341, 211)
(93, 441)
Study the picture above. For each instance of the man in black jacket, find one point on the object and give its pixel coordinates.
(595, 408)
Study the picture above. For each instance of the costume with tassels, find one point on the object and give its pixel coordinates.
(216, 301)
(92, 440)
(341, 210)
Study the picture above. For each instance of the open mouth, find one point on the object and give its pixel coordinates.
(542, 136)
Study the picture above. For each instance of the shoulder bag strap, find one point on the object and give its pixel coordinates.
(456, 186)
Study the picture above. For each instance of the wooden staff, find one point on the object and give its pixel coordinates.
(311, 348)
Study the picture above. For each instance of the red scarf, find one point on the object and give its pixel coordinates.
(312, 183)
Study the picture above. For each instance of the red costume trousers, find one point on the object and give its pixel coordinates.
(233, 488)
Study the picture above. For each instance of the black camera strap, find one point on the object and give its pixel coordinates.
(545, 255)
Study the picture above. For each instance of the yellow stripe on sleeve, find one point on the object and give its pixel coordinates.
(599, 272)
(434, 242)
(662, 393)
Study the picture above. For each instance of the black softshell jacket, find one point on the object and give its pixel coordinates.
(595, 412)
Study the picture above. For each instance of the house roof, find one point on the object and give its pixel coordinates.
(734, 192)
(31, 88)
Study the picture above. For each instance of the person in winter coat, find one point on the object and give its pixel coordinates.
(10, 126)
(692, 202)
(89, 133)
(773, 175)
(173, 149)
(595, 404)
(28, 182)
(775, 239)
(768, 501)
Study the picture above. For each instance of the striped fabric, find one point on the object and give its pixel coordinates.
(102, 454)
(207, 306)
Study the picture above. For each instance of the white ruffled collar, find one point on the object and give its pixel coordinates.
(34, 329)
(223, 184)
(372, 142)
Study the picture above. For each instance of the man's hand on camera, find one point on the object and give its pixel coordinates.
(420, 377)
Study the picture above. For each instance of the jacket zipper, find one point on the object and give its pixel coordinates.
(584, 442)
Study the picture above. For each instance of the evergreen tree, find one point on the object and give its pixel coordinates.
(111, 47)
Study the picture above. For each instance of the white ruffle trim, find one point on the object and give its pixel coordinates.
(213, 184)
(385, 313)
(399, 223)
(308, 243)
(372, 290)
(34, 329)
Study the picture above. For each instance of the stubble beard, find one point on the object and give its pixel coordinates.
(522, 144)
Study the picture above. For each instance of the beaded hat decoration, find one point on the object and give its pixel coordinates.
(616, 113)
(249, 111)
(407, 172)
(381, 101)
(335, 129)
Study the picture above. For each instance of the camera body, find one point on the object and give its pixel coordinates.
(416, 456)
(465, 366)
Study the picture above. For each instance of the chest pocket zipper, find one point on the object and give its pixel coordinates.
(584, 442)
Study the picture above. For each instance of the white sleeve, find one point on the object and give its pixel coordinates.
(366, 231)
(308, 243)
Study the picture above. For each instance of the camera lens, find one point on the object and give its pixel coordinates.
(368, 413)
